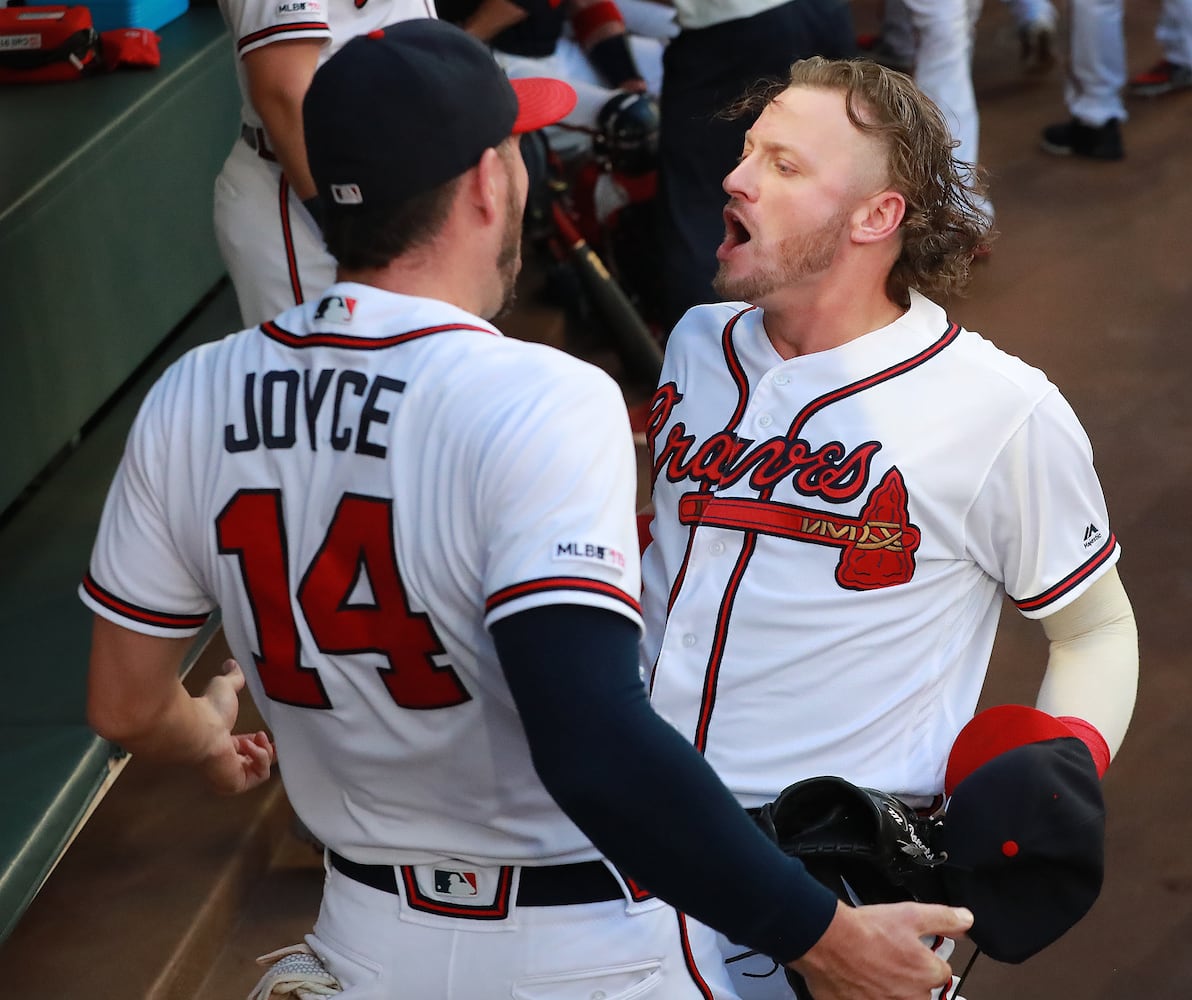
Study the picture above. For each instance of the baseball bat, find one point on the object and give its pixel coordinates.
(639, 349)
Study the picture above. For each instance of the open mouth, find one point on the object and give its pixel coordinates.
(736, 233)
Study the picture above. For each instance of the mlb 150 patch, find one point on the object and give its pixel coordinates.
(300, 8)
(589, 552)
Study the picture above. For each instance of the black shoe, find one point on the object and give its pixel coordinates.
(1074, 138)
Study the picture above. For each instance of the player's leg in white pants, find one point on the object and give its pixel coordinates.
(944, 66)
(1097, 62)
(757, 978)
(273, 251)
(647, 55)
(379, 948)
(1174, 31)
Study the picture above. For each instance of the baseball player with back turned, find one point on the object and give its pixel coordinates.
(394, 508)
(266, 206)
(846, 482)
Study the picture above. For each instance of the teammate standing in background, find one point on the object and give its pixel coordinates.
(846, 483)
(394, 508)
(1093, 90)
(1173, 32)
(266, 206)
(723, 48)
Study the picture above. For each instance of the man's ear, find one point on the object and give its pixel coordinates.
(878, 217)
(486, 181)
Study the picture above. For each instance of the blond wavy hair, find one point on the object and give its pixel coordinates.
(945, 223)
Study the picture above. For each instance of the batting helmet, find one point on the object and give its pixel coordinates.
(626, 138)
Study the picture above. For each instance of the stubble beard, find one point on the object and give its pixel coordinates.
(799, 257)
(509, 256)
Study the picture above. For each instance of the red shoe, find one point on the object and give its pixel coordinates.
(1162, 78)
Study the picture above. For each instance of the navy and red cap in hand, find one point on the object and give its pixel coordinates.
(406, 108)
(1024, 830)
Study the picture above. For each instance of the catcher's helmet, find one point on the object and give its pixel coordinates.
(626, 138)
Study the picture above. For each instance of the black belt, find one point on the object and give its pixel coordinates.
(551, 885)
(255, 137)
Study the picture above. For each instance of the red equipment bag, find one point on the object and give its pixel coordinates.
(41, 44)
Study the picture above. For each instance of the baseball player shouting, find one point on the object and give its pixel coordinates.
(266, 206)
(846, 483)
(396, 511)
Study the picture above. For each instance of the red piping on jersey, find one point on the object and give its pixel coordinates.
(689, 960)
(275, 332)
(287, 238)
(742, 382)
(137, 613)
(548, 583)
(736, 370)
(498, 910)
(280, 29)
(1071, 580)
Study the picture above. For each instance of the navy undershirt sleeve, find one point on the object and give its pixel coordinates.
(640, 791)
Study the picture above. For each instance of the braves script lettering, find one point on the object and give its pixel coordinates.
(877, 548)
(831, 472)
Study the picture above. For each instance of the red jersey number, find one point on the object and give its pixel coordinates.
(357, 550)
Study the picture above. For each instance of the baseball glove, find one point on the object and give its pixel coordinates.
(863, 844)
(294, 973)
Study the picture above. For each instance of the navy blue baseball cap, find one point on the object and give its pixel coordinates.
(1024, 835)
(403, 109)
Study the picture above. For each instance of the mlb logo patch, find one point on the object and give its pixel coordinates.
(336, 309)
(450, 882)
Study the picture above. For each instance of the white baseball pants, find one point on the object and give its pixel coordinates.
(381, 948)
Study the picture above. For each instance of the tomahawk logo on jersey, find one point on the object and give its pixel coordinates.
(877, 547)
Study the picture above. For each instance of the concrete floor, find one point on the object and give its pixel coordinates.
(167, 893)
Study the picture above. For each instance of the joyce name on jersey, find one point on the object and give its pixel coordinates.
(852, 514)
(363, 486)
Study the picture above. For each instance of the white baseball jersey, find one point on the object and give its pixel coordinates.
(363, 486)
(257, 23)
(834, 533)
(271, 247)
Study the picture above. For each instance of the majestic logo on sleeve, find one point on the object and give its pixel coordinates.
(877, 547)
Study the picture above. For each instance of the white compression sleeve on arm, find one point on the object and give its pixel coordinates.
(1092, 668)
